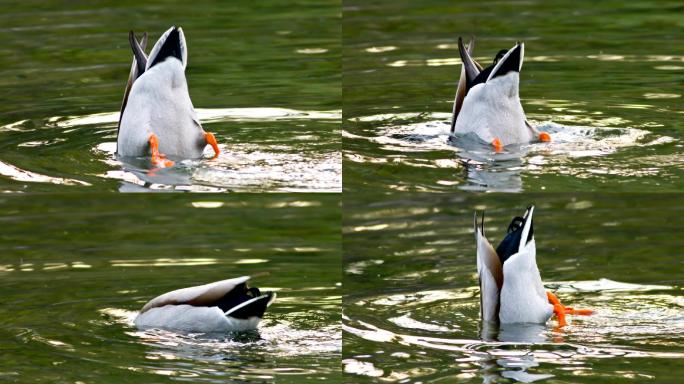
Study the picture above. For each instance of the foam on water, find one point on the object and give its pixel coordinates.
(278, 337)
(403, 136)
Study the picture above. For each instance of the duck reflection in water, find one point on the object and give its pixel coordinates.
(514, 367)
(486, 170)
(515, 333)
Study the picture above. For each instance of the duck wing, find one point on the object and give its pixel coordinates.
(490, 275)
(137, 68)
(469, 70)
(201, 295)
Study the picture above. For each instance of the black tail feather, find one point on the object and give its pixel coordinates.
(510, 244)
(241, 294)
(170, 48)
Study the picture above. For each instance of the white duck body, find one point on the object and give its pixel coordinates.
(523, 297)
(487, 101)
(197, 309)
(189, 318)
(159, 103)
(493, 110)
(512, 291)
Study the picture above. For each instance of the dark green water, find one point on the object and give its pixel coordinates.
(606, 78)
(76, 269)
(411, 305)
(265, 77)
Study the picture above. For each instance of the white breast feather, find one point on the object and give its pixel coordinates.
(201, 294)
(490, 275)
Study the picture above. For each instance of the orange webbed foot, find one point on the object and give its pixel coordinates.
(496, 143)
(580, 312)
(211, 140)
(545, 137)
(560, 310)
(158, 159)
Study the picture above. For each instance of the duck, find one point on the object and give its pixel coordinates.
(511, 288)
(157, 118)
(487, 101)
(222, 306)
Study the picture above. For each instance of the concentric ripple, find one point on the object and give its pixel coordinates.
(423, 140)
(628, 317)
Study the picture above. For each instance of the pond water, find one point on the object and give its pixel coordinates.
(298, 93)
(411, 304)
(605, 79)
(265, 78)
(76, 269)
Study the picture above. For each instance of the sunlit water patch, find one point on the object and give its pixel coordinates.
(580, 151)
(264, 149)
(437, 333)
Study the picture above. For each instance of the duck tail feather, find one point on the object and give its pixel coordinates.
(140, 59)
(252, 307)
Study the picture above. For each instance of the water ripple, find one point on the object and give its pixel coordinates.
(629, 320)
(297, 158)
(583, 151)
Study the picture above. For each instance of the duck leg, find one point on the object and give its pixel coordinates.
(496, 143)
(560, 310)
(543, 136)
(158, 159)
(211, 140)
